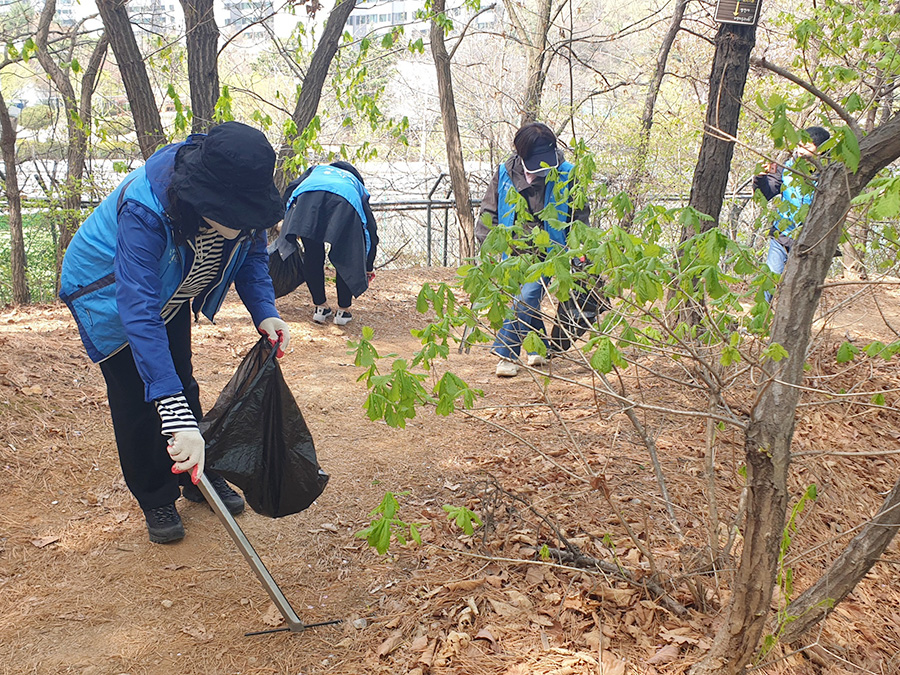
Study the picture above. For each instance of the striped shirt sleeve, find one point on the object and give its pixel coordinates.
(175, 414)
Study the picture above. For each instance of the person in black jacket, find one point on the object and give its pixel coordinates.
(330, 204)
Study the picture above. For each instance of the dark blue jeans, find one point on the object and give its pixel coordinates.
(527, 306)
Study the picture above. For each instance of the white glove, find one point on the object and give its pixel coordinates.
(188, 450)
(278, 332)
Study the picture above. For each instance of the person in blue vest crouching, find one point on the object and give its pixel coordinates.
(528, 172)
(330, 204)
(796, 192)
(169, 240)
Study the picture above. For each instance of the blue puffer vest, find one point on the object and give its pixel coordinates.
(339, 182)
(507, 215)
(88, 280)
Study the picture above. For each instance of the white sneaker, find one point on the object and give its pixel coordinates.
(322, 314)
(343, 317)
(536, 360)
(507, 369)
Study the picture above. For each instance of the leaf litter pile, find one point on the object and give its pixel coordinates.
(577, 566)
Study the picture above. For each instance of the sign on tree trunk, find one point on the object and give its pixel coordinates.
(738, 11)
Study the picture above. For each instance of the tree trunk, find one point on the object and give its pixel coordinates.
(640, 159)
(17, 265)
(731, 62)
(202, 61)
(147, 123)
(314, 81)
(537, 52)
(78, 124)
(458, 179)
(769, 434)
(817, 601)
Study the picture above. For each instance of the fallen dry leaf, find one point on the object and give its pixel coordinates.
(540, 620)
(468, 585)
(503, 608)
(33, 390)
(612, 665)
(419, 643)
(272, 617)
(197, 632)
(485, 634)
(665, 655)
(427, 658)
(519, 599)
(678, 636)
(44, 541)
(390, 644)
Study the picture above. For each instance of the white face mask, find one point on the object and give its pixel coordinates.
(226, 232)
(531, 175)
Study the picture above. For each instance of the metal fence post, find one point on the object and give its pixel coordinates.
(428, 218)
(446, 228)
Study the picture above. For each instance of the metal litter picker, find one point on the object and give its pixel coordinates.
(294, 624)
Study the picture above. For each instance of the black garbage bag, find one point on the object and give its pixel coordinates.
(577, 314)
(285, 267)
(257, 439)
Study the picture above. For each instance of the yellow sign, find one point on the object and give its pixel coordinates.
(745, 12)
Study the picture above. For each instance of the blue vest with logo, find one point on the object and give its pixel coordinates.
(337, 181)
(87, 279)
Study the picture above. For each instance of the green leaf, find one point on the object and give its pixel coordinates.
(878, 399)
(848, 149)
(463, 518)
(533, 344)
(775, 352)
(846, 352)
(606, 356)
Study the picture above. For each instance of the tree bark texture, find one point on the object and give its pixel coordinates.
(147, 123)
(537, 57)
(202, 61)
(457, 169)
(17, 266)
(731, 62)
(314, 81)
(817, 601)
(78, 123)
(640, 160)
(771, 427)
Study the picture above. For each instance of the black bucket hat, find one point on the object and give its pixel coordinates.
(227, 177)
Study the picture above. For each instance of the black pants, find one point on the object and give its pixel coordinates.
(145, 461)
(314, 272)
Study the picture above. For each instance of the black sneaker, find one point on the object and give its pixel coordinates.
(164, 524)
(232, 500)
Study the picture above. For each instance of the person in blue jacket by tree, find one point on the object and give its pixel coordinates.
(330, 204)
(169, 240)
(796, 193)
(528, 172)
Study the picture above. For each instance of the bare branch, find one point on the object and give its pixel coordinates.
(812, 89)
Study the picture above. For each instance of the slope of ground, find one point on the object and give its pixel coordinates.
(83, 591)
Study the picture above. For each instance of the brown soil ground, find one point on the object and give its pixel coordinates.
(82, 590)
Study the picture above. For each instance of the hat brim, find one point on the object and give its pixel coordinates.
(235, 208)
(534, 161)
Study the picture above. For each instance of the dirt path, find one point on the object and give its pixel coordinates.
(83, 591)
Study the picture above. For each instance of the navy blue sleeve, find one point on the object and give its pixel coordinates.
(140, 246)
(372, 227)
(253, 283)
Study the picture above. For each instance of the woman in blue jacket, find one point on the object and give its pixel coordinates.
(330, 203)
(171, 238)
